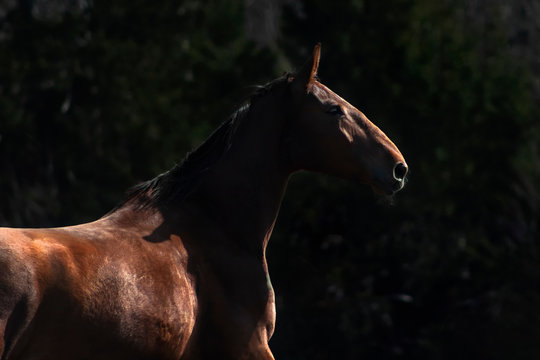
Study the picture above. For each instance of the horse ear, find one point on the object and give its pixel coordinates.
(308, 71)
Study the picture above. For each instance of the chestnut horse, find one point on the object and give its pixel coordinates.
(178, 270)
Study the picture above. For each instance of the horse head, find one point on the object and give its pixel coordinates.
(332, 136)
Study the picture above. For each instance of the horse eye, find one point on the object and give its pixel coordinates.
(335, 110)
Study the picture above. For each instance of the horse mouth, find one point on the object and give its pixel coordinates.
(388, 187)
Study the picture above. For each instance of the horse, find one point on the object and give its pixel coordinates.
(178, 269)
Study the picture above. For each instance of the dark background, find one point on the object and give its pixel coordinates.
(96, 96)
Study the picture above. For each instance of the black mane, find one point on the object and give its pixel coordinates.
(174, 185)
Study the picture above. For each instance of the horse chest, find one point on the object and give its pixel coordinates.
(236, 314)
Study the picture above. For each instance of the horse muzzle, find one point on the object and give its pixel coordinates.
(389, 185)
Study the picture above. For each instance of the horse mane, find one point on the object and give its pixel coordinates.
(174, 185)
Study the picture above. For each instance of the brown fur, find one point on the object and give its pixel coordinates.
(185, 279)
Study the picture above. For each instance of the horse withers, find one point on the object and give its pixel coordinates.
(178, 269)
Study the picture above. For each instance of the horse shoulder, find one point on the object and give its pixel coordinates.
(147, 289)
(112, 279)
(141, 286)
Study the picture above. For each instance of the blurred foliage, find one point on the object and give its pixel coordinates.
(451, 270)
(106, 95)
(111, 95)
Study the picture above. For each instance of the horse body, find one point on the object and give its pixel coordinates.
(79, 292)
(94, 292)
(178, 271)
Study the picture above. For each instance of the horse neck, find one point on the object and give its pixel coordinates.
(241, 194)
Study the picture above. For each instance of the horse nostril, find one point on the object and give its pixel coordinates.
(400, 170)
